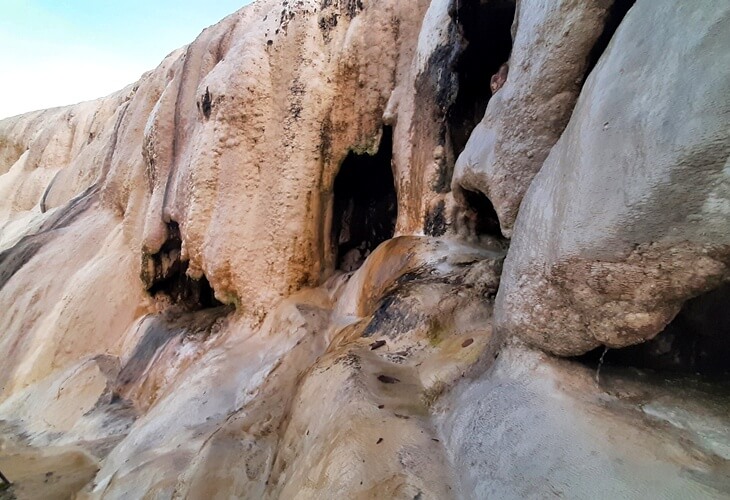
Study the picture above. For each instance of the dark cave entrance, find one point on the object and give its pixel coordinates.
(165, 276)
(365, 205)
(696, 341)
(486, 29)
(482, 218)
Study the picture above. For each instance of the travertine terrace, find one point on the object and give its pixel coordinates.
(313, 255)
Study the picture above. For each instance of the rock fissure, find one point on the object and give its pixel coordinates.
(485, 28)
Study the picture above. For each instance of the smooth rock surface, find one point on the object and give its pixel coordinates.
(629, 216)
(536, 427)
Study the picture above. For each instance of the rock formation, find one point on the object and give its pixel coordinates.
(273, 266)
(628, 217)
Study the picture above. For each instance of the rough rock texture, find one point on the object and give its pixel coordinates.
(629, 216)
(525, 117)
(182, 316)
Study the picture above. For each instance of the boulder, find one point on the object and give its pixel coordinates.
(629, 216)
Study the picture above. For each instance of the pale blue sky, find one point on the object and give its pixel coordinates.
(58, 52)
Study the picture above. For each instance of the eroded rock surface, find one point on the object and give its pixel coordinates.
(571, 436)
(246, 275)
(532, 103)
(628, 218)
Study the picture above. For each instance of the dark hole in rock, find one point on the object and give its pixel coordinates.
(696, 341)
(207, 103)
(615, 16)
(365, 204)
(486, 29)
(482, 216)
(167, 276)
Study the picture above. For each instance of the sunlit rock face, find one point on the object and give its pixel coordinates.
(246, 275)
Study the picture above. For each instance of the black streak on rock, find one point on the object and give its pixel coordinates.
(15, 257)
(435, 224)
(206, 103)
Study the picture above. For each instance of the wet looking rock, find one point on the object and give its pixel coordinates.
(365, 204)
(165, 276)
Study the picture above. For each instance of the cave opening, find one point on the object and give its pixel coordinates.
(365, 205)
(696, 341)
(482, 217)
(166, 276)
(485, 27)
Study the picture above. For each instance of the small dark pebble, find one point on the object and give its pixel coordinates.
(49, 474)
(380, 407)
(387, 379)
(377, 344)
(405, 417)
(380, 440)
(434, 439)
(467, 343)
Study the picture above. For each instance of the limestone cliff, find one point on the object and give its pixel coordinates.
(273, 266)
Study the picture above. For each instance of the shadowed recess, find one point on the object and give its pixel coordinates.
(483, 217)
(486, 29)
(165, 274)
(615, 16)
(696, 341)
(365, 204)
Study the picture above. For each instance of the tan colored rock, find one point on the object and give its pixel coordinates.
(214, 176)
(525, 117)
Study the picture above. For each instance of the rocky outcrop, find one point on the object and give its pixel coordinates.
(246, 275)
(628, 218)
(537, 427)
(535, 98)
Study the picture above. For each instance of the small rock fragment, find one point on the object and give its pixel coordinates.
(377, 344)
(386, 379)
(380, 440)
(467, 343)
